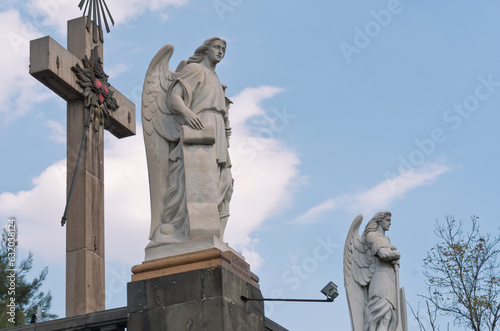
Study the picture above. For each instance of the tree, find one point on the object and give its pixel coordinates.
(19, 298)
(463, 276)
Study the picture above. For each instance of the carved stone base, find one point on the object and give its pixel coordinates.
(158, 251)
(207, 258)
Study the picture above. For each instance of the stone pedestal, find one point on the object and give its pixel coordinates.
(154, 252)
(194, 291)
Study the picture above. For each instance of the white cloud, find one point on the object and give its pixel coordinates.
(126, 190)
(125, 10)
(264, 169)
(378, 197)
(56, 13)
(116, 69)
(57, 131)
(18, 90)
(39, 213)
(39, 210)
(271, 169)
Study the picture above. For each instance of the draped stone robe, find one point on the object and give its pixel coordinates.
(204, 94)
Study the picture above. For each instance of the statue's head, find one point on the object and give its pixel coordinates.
(201, 51)
(375, 221)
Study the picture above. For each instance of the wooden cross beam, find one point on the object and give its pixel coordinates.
(52, 65)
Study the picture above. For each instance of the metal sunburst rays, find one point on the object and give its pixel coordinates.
(94, 10)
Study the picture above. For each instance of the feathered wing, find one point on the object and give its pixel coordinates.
(160, 126)
(358, 271)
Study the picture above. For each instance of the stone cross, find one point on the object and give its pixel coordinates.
(51, 64)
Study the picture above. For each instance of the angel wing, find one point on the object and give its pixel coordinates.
(358, 271)
(160, 126)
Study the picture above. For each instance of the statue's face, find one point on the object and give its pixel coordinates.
(385, 223)
(216, 51)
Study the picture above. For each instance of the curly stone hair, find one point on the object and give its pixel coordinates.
(375, 221)
(200, 52)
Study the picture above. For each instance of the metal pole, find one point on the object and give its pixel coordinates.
(87, 125)
(289, 300)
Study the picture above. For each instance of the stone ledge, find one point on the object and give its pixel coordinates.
(156, 251)
(208, 258)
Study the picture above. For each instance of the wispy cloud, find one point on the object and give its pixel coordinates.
(57, 131)
(116, 69)
(378, 197)
(264, 168)
(18, 90)
(39, 212)
(271, 169)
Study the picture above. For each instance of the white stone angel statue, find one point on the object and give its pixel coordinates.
(371, 277)
(191, 97)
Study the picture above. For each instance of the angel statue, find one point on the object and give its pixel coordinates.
(371, 277)
(191, 99)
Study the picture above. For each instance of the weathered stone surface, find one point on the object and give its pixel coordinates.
(207, 299)
(121, 123)
(84, 231)
(80, 41)
(84, 281)
(117, 320)
(52, 65)
(212, 257)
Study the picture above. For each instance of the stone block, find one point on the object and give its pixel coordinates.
(85, 226)
(84, 282)
(51, 64)
(136, 296)
(174, 289)
(80, 41)
(121, 123)
(206, 299)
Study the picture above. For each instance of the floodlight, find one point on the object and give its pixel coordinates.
(330, 291)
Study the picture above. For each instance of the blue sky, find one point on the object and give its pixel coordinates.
(340, 108)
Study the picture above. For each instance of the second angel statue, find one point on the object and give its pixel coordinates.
(371, 277)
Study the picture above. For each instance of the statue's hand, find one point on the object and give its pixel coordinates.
(396, 255)
(193, 120)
